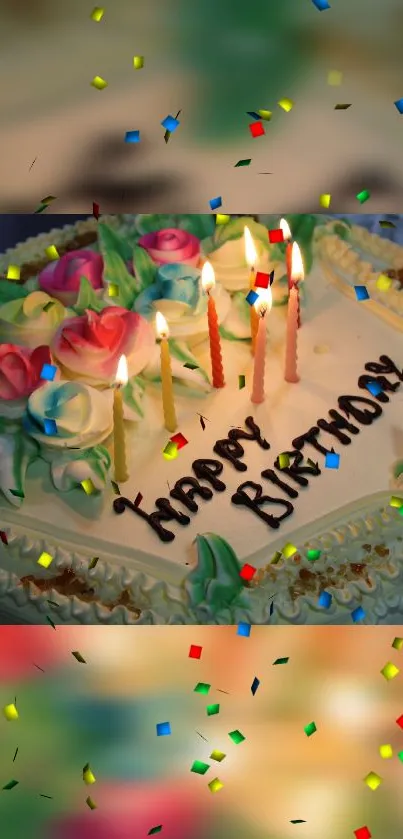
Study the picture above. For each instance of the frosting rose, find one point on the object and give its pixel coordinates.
(69, 469)
(230, 266)
(172, 245)
(81, 415)
(61, 278)
(88, 347)
(20, 371)
(31, 321)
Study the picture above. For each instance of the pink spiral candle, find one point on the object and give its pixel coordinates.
(291, 374)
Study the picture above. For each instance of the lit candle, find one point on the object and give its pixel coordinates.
(168, 403)
(251, 259)
(297, 275)
(291, 374)
(208, 282)
(288, 250)
(262, 307)
(119, 443)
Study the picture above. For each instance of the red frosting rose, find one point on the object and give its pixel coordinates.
(61, 278)
(89, 346)
(172, 245)
(20, 370)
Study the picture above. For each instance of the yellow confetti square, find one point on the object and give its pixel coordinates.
(45, 560)
(13, 272)
(10, 712)
(289, 550)
(97, 14)
(221, 218)
(389, 671)
(138, 62)
(88, 775)
(217, 755)
(395, 501)
(283, 461)
(386, 751)
(113, 290)
(397, 644)
(372, 780)
(324, 201)
(99, 83)
(334, 78)
(383, 282)
(171, 451)
(88, 486)
(286, 104)
(215, 785)
(266, 115)
(52, 252)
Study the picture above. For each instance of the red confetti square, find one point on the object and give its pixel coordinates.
(262, 280)
(256, 129)
(95, 210)
(247, 572)
(400, 721)
(180, 440)
(195, 651)
(3, 537)
(138, 499)
(276, 236)
(362, 833)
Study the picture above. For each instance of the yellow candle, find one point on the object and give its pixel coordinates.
(168, 403)
(119, 443)
(251, 259)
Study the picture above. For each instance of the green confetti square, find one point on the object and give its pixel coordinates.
(199, 767)
(202, 687)
(281, 660)
(312, 555)
(213, 709)
(363, 196)
(397, 644)
(246, 162)
(154, 830)
(310, 729)
(400, 756)
(11, 785)
(236, 737)
(241, 382)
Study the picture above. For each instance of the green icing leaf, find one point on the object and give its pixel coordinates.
(229, 336)
(342, 231)
(234, 229)
(17, 451)
(116, 273)
(110, 241)
(133, 394)
(181, 351)
(144, 268)
(88, 299)
(201, 225)
(10, 291)
(215, 581)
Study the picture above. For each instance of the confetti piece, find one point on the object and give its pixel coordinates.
(48, 372)
(170, 123)
(297, 821)
(358, 614)
(388, 224)
(50, 427)
(241, 382)
(386, 751)
(399, 105)
(400, 721)
(253, 114)
(163, 729)
(138, 62)
(397, 644)
(49, 620)
(190, 366)
(244, 629)
(95, 210)
(215, 785)
(132, 137)
(97, 14)
(52, 253)
(179, 440)
(247, 572)
(363, 196)
(372, 780)
(99, 83)
(88, 486)
(313, 555)
(46, 796)
(271, 609)
(342, 106)
(56, 606)
(16, 753)
(334, 78)
(45, 559)
(13, 272)
(236, 737)
(321, 5)
(251, 297)
(202, 687)
(257, 129)
(262, 280)
(245, 162)
(88, 775)
(325, 600)
(374, 388)
(199, 767)
(10, 712)
(276, 236)
(200, 735)
(215, 203)
(361, 292)
(283, 460)
(171, 451)
(78, 657)
(362, 833)
(221, 218)
(281, 660)
(202, 423)
(90, 803)
(138, 499)
(3, 537)
(254, 686)
(48, 199)
(383, 282)
(324, 201)
(113, 290)
(390, 671)
(263, 114)
(217, 755)
(195, 651)
(332, 460)
(400, 756)
(286, 104)
(213, 709)
(289, 550)
(17, 493)
(11, 785)
(310, 729)
(276, 558)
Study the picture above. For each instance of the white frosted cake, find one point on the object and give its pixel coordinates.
(287, 511)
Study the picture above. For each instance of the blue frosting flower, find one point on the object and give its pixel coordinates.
(174, 282)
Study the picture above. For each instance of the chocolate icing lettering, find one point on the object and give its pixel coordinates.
(386, 366)
(186, 497)
(256, 435)
(337, 426)
(242, 499)
(346, 404)
(209, 469)
(165, 512)
(230, 448)
(271, 476)
(295, 470)
(384, 383)
(311, 438)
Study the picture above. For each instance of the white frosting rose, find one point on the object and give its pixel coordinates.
(230, 267)
(31, 321)
(82, 415)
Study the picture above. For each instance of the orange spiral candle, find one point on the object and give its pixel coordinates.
(217, 369)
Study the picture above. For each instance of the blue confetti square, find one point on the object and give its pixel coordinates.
(399, 105)
(251, 297)
(255, 685)
(48, 372)
(163, 729)
(324, 599)
(374, 388)
(321, 5)
(215, 203)
(170, 124)
(244, 629)
(50, 427)
(358, 614)
(132, 137)
(332, 460)
(361, 292)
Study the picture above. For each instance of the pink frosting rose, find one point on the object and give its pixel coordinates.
(20, 370)
(88, 347)
(172, 245)
(61, 278)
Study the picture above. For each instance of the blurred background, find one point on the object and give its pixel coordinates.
(213, 60)
(104, 713)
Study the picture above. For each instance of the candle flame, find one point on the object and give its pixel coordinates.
(161, 326)
(264, 302)
(122, 375)
(207, 277)
(285, 227)
(297, 266)
(250, 250)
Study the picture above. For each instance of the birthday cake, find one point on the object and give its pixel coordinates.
(208, 483)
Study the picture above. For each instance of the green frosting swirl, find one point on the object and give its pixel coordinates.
(215, 581)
